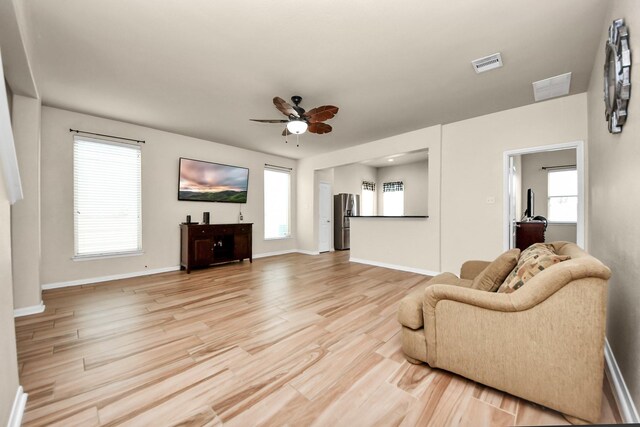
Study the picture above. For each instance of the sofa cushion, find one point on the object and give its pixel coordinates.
(410, 309)
(533, 260)
(495, 273)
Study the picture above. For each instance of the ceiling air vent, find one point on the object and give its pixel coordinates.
(487, 63)
(552, 87)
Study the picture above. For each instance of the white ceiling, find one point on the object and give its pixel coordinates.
(398, 159)
(203, 68)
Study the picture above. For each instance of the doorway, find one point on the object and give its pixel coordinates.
(513, 201)
(325, 226)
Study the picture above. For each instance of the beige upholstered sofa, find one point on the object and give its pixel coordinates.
(544, 342)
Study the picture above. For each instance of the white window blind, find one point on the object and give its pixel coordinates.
(563, 195)
(107, 198)
(368, 198)
(277, 203)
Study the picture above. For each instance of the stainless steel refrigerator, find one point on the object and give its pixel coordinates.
(344, 206)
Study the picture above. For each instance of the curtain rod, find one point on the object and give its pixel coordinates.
(544, 168)
(108, 136)
(278, 167)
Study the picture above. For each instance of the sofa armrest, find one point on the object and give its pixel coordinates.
(471, 269)
(471, 297)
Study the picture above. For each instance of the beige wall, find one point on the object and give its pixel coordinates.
(348, 179)
(327, 175)
(416, 243)
(307, 180)
(614, 178)
(161, 210)
(25, 213)
(535, 178)
(415, 177)
(472, 163)
(461, 224)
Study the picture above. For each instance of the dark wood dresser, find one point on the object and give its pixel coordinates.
(202, 245)
(528, 233)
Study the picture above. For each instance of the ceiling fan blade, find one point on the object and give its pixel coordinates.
(269, 121)
(321, 114)
(286, 132)
(284, 107)
(319, 128)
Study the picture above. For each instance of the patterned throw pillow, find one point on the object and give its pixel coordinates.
(533, 260)
(535, 250)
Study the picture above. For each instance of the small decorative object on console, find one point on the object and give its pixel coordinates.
(617, 76)
(188, 220)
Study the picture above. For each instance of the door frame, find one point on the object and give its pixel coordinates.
(580, 168)
(331, 247)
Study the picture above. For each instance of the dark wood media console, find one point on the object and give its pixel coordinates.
(202, 245)
(528, 233)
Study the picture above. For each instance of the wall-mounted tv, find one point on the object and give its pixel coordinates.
(212, 182)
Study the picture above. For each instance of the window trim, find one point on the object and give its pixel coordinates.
(115, 254)
(266, 239)
(107, 255)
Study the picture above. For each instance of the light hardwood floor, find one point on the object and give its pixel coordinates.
(294, 339)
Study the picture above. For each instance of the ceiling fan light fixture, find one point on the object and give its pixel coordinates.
(297, 127)
(300, 120)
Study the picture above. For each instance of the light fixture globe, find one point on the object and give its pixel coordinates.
(297, 127)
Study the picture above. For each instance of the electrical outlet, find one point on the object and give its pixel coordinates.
(491, 200)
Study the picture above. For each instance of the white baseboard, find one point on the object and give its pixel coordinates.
(626, 407)
(395, 266)
(26, 311)
(302, 251)
(17, 411)
(91, 280)
(268, 254)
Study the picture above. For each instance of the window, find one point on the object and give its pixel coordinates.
(563, 195)
(368, 207)
(393, 198)
(107, 199)
(277, 202)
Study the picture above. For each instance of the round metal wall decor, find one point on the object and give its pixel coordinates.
(617, 76)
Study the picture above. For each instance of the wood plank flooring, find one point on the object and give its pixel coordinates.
(289, 340)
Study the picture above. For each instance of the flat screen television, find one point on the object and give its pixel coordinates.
(202, 181)
(530, 204)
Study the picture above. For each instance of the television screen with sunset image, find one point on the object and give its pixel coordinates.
(212, 182)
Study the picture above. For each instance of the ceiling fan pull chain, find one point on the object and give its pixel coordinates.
(297, 140)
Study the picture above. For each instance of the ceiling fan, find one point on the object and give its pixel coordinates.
(299, 120)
